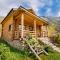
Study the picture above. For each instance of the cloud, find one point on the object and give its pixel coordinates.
(35, 4)
(41, 7)
(7, 5)
(38, 4)
(58, 14)
(48, 12)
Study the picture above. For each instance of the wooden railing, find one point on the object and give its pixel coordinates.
(17, 34)
(32, 33)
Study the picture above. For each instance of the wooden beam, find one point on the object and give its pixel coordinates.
(40, 19)
(35, 27)
(22, 25)
(46, 31)
(42, 30)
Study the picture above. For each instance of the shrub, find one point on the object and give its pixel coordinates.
(56, 39)
(48, 48)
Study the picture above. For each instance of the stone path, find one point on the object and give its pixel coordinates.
(47, 41)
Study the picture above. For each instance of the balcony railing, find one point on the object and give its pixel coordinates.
(17, 34)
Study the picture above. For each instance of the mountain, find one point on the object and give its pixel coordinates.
(55, 21)
(54, 25)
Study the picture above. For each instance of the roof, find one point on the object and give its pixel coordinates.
(30, 11)
(7, 15)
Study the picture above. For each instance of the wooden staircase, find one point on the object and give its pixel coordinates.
(36, 49)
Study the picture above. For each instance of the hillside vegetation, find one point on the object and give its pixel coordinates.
(56, 22)
(54, 25)
(9, 53)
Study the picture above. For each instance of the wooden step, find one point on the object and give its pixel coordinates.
(33, 51)
(36, 49)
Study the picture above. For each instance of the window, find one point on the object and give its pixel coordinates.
(10, 27)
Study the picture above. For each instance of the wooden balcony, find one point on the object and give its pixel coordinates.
(17, 34)
(23, 25)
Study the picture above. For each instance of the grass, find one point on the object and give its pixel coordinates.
(9, 53)
(52, 56)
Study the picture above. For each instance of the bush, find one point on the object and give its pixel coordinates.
(48, 48)
(56, 39)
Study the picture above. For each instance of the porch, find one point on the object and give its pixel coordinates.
(25, 24)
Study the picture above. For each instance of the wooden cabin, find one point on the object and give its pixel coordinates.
(20, 22)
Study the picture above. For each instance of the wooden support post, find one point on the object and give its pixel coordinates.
(35, 27)
(22, 25)
(46, 31)
(42, 30)
(14, 28)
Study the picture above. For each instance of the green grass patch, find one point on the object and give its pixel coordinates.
(51, 56)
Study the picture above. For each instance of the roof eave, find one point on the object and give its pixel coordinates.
(7, 15)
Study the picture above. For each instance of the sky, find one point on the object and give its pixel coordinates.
(41, 7)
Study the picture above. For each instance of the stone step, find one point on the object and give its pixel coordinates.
(48, 42)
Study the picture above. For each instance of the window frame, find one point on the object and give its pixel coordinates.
(10, 27)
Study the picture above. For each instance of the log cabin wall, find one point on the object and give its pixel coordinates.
(8, 28)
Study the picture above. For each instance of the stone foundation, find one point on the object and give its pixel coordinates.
(20, 45)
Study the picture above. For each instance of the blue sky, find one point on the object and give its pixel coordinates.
(41, 7)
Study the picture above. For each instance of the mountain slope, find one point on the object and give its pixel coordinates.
(56, 22)
(54, 25)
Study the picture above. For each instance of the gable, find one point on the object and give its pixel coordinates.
(32, 14)
(8, 15)
(29, 11)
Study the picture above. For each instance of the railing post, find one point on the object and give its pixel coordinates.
(44, 32)
(22, 25)
(35, 27)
